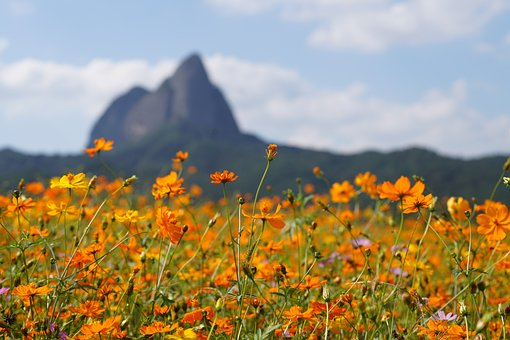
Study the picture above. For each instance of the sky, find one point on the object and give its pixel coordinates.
(338, 75)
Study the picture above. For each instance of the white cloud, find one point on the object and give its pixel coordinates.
(51, 107)
(41, 100)
(353, 119)
(374, 25)
(21, 7)
(4, 44)
(246, 6)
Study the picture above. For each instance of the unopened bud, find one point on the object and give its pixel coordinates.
(290, 196)
(325, 293)
(506, 166)
(212, 222)
(240, 199)
(219, 304)
(21, 184)
(129, 181)
(463, 309)
(92, 182)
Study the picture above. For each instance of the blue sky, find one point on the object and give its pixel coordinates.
(340, 75)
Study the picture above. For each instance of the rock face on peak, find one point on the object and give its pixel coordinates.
(187, 98)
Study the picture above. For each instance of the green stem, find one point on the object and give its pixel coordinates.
(493, 193)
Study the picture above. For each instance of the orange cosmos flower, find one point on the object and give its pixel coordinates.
(70, 181)
(440, 329)
(180, 157)
(26, 292)
(168, 186)
(414, 203)
(295, 314)
(197, 315)
(90, 308)
(34, 231)
(366, 181)
(161, 310)
(156, 327)
(222, 177)
(35, 188)
(318, 172)
(97, 328)
(100, 144)
(168, 227)
(457, 207)
(309, 283)
(495, 223)
(20, 204)
(401, 189)
(275, 219)
(272, 247)
(342, 193)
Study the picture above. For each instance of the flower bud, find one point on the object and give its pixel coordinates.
(463, 309)
(271, 152)
(506, 166)
(92, 182)
(129, 181)
(325, 293)
(219, 304)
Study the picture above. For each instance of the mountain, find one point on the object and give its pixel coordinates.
(186, 98)
(187, 112)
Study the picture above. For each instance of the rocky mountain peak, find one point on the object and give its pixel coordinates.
(186, 98)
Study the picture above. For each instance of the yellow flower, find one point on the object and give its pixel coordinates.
(130, 216)
(183, 334)
(61, 208)
(70, 181)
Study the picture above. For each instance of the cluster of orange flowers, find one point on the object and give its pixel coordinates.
(86, 258)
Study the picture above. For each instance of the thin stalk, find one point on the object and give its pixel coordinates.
(496, 185)
(233, 241)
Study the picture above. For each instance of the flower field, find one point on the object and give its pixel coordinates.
(87, 258)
